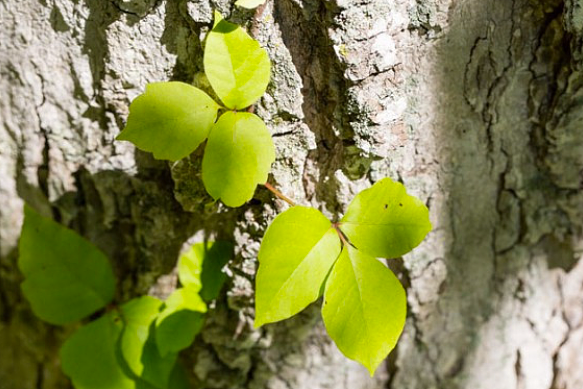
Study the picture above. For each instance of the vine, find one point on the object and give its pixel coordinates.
(303, 255)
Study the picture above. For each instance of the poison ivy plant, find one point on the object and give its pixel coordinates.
(303, 254)
(133, 346)
(171, 119)
(364, 303)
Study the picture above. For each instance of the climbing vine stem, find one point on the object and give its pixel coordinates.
(279, 194)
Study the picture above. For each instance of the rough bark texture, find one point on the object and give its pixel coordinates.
(476, 105)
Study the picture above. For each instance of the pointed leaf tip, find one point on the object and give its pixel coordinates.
(364, 308)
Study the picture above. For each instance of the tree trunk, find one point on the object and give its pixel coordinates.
(475, 105)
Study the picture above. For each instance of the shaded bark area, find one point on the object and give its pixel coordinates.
(475, 105)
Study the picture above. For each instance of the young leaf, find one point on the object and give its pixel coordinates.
(88, 357)
(138, 314)
(170, 120)
(296, 254)
(238, 156)
(364, 308)
(249, 4)
(157, 369)
(66, 277)
(200, 268)
(180, 321)
(384, 221)
(236, 66)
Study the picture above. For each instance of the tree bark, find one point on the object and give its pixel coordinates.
(475, 105)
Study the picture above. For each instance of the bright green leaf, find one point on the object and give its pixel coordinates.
(138, 315)
(66, 277)
(384, 221)
(200, 268)
(88, 357)
(250, 4)
(238, 156)
(364, 308)
(236, 66)
(295, 257)
(180, 320)
(170, 120)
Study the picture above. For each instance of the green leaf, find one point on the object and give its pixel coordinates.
(88, 357)
(158, 369)
(296, 254)
(138, 315)
(250, 4)
(364, 308)
(179, 378)
(384, 221)
(236, 66)
(200, 268)
(180, 320)
(238, 156)
(170, 120)
(66, 277)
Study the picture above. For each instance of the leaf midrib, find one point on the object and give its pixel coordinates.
(279, 290)
(361, 306)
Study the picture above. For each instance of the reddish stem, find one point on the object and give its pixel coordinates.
(343, 237)
(279, 194)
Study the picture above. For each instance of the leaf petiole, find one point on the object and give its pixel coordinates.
(278, 194)
(341, 235)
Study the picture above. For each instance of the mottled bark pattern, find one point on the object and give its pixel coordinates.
(475, 105)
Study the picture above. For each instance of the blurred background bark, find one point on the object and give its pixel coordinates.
(475, 105)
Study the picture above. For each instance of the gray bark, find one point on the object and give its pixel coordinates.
(475, 105)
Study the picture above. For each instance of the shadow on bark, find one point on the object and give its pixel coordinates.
(505, 79)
